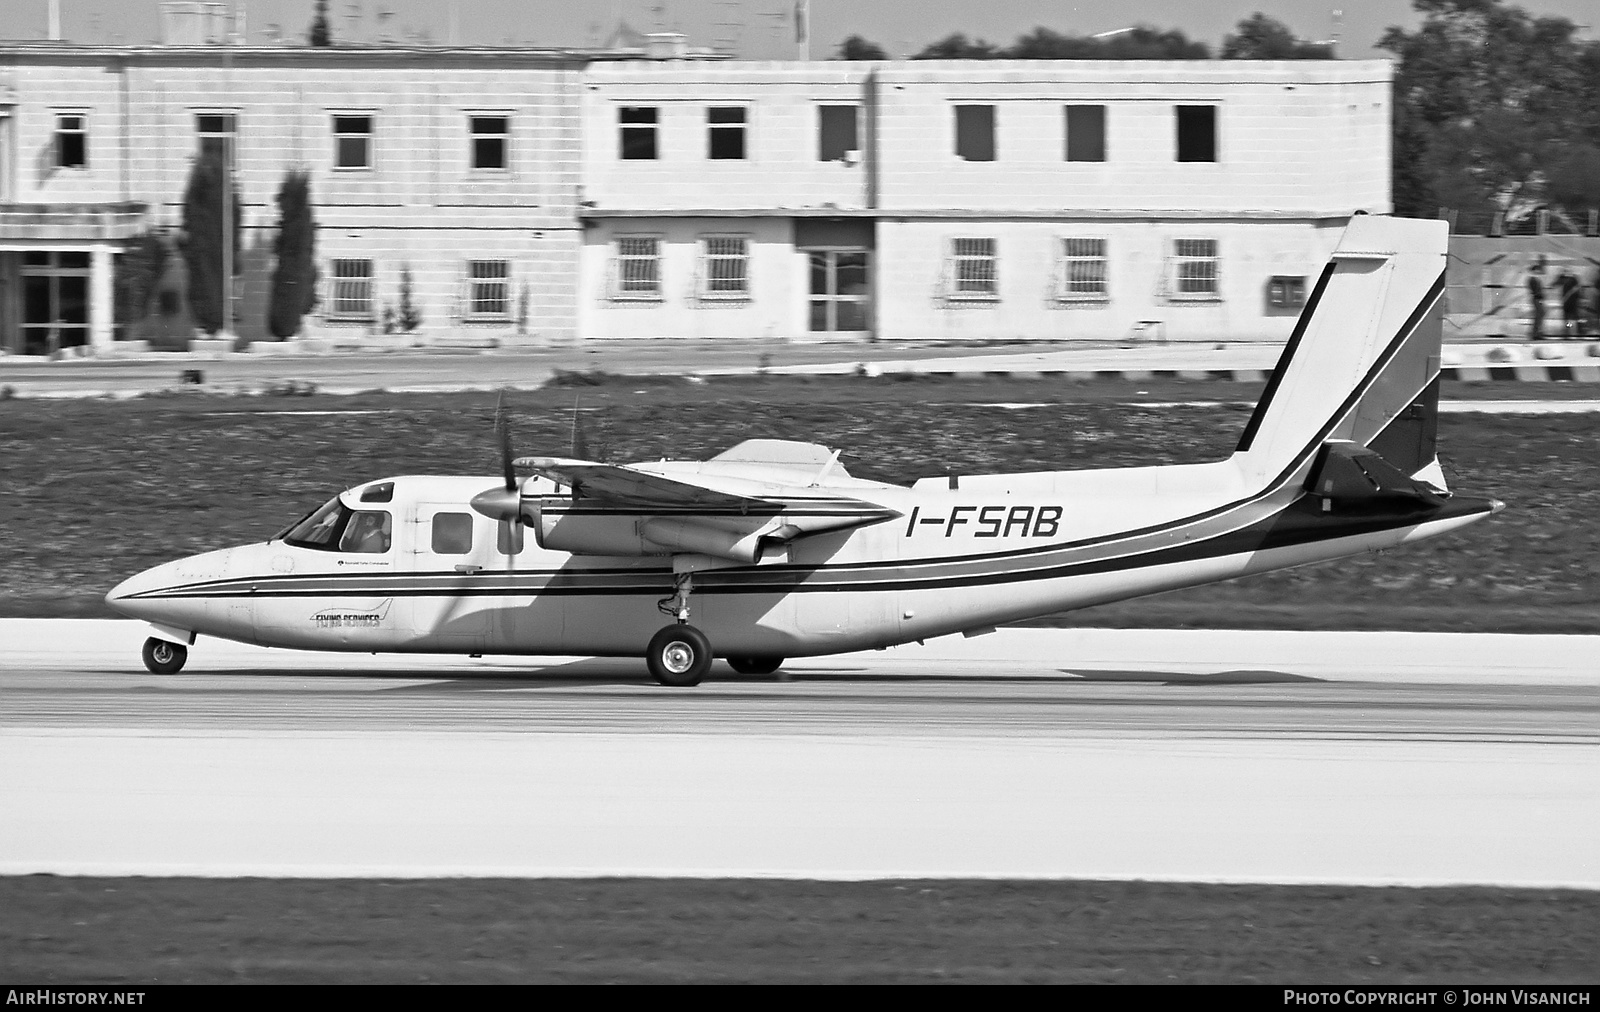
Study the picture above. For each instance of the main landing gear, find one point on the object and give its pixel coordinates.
(164, 657)
(680, 654)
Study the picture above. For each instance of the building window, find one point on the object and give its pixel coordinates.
(974, 271)
(72, 141)
(1086, 133)
(725, 132)
(489, 289)
(724, 267)
(638, 132)
(352, 290)
(1286, 292)
(975, 132)
(1083, 270)
(837, 136)
(491, 142)
(217, 132)
(638, 267)
(1194, 269)
(1197, 133)
(352, 142)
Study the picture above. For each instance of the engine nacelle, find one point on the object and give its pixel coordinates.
(563, 526)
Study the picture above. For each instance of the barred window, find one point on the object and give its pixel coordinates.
(352, 142)
(638, 267)
(488, 289)
(974, 271)
(1083, 269)
(725, 267)
(1195, 269)
(352, 290)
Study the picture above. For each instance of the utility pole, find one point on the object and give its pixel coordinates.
(227, 191)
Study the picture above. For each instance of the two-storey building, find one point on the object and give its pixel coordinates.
(457, 167)
(556, 195)
(971, 200)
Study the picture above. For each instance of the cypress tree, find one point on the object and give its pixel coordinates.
(318, 36)
(294, 278)
(202, 239)
(410, 315)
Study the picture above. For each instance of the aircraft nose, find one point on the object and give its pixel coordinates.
(131, 597)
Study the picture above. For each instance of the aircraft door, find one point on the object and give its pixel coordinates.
(450, 550)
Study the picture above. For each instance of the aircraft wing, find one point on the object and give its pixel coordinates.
(626, 486)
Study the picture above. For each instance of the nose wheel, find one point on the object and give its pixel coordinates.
(163, 657)
(679, 655)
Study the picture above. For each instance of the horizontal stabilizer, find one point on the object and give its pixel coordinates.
(1350, 475)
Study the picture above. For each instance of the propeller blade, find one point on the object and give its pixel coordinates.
(580, 446)
(502, 432)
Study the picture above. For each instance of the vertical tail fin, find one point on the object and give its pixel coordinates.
(1363, 362)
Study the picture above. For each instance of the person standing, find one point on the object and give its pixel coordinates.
(1571, 312)
(1536, 301)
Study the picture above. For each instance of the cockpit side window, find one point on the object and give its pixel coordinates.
(368, 532)
(336, 528)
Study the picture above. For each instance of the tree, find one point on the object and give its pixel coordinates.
(958, 47)
(410, 316)
(202, 241)
(1489, 100)
(318, 36)
(294, 277)
(857, 48)
(1259, 37)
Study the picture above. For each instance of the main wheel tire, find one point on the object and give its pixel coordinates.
(755, 665)
(679, 655)
(164, 657)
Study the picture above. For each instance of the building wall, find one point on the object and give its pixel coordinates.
(420, 203)
(919, 300)
(1302, 138)
(774, 308)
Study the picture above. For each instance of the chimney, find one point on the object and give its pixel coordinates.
(666, 46)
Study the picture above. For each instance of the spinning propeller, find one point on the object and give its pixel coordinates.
(505, 504)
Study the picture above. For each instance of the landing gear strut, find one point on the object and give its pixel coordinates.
(680, 654)
(164, 657)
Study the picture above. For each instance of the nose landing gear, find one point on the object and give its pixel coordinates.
(163, 657)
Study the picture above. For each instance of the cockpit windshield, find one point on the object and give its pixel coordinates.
(336, 528)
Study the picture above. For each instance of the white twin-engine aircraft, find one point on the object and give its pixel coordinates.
(774, 551)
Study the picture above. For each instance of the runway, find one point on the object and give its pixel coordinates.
(1205, 756)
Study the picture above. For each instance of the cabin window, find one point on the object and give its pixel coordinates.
(452, 533)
